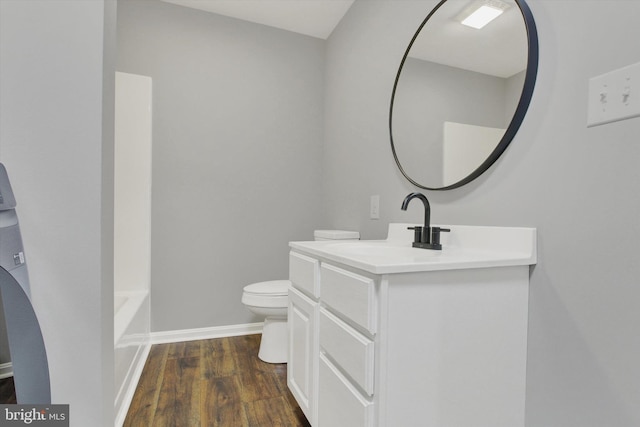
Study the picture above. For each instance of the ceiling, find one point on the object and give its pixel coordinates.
(316, 18)
(499, 49)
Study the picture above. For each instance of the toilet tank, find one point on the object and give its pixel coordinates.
(336, 235)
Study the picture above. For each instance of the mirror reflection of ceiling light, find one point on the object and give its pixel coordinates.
(480, 13)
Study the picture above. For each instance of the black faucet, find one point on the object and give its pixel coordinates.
(425, 237)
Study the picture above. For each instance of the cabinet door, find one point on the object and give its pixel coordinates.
(302, 367)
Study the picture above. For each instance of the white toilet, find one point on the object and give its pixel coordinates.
(270, 299)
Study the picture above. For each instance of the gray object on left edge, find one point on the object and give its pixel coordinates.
(28, 354)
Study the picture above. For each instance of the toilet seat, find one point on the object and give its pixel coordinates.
(272, 293)
(271, 300)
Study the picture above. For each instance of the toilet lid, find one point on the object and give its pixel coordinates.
(273, 287)
(336, 235)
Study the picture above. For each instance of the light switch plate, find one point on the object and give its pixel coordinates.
(614, 96)
(374, 210)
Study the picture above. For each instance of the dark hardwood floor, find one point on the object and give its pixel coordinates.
(217, 382)
(7, 391)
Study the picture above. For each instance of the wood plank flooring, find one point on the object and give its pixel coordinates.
(217, 382)
(7, 391)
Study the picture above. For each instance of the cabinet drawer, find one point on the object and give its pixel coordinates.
(339, 404)
(303, 273)
(350, 294)
(352, 351)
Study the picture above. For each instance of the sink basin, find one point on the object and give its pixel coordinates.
(380, 249)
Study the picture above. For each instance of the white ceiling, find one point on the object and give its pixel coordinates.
(316, 18)
(499, 49)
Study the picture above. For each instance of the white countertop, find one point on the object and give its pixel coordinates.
(463, 248)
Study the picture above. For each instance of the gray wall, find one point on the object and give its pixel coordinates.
(57, 64)
(577, 185)
(237, 143)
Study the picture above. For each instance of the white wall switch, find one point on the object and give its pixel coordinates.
(374, 210)
(614, 96)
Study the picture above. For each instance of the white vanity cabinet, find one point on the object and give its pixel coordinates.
(442, 347)
(331, 363)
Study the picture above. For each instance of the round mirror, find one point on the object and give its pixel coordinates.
(462, 90)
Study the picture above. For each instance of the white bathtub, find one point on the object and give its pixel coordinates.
(131, 234)
(131, 344)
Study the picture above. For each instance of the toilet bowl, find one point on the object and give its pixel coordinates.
(270, 299)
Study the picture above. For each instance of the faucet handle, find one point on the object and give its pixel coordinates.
(417, 233)
(435, 234)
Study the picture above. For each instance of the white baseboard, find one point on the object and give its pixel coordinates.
(6, 370)
(205, 333)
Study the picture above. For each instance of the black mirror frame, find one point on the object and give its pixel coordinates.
(518, 116)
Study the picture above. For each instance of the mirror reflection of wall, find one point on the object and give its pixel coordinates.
(430, 94)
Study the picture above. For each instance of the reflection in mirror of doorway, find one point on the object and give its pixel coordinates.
(464, 147)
